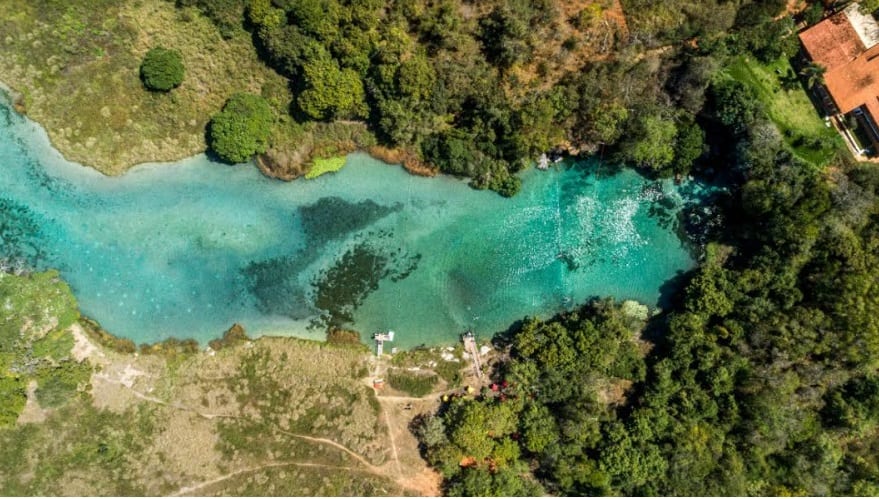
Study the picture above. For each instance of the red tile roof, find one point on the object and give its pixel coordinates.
(852, 76)
(833, 42)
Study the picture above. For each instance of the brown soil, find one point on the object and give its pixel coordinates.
(793, 7)
(287, 165)
(614, 391)
(407, 467)
(405, 157)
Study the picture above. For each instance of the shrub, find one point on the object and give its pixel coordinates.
(12, 399)
(242, 128)
(57, 384)
(414, 384)
(162, 69)
(233, 336)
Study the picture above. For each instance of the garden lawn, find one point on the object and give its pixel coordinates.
(791, 110)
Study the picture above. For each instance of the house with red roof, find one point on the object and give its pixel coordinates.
(846, 45)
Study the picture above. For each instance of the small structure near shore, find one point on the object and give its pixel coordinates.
(380, 339)
(470, 347)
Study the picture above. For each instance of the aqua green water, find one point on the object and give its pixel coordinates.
(186, 249)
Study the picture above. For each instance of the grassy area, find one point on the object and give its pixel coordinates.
(790, 109)
(328, 165)
(412, 383)
(432, 358)
(77, 66)
(274, 416)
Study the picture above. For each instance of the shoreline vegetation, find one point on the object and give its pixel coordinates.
(316, 141)
(77, 68)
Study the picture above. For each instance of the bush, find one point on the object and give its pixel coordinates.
(57, 384)
(12, 399)
(241, 129)
(233, 336)
(413, 384)
(162, 69)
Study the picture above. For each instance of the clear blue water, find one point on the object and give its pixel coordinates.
(187, 249)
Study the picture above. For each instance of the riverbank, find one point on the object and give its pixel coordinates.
(74, 69)
(265, 416)
(142, 250)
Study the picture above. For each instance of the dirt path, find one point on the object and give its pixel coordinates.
(392, 440)
(411, 471)
(362, 460)
(417, 483)
(404, 398)
(192, 488)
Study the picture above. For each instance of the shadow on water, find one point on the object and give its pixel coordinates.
(669, 293)
(671, 298)
(503, 339)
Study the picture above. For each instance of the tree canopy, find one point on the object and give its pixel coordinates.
(242, 128)
(162, 69)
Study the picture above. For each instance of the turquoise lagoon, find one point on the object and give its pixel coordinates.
(187, 249)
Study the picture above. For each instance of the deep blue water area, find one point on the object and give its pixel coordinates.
(186, 249)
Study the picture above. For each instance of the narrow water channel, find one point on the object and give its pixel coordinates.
(186, 249)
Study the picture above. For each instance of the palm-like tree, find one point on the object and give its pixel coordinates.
(814, 74)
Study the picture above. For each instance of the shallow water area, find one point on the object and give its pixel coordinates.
(187, 249)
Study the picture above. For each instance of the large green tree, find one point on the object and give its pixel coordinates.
(651, 142)
(331, 92)
(242, 128)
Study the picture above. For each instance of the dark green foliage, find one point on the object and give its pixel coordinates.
(769, 39)
(388, 64)
(416, 385)
(477, 482)
(689, 146)
(545, 409)
(735, 105)
(762, 380)
(503, 37)
(651, 142)
(162, 69)
(56, 384)
(242, 128)
(854, 405)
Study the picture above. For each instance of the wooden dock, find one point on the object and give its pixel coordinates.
(472, 348)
